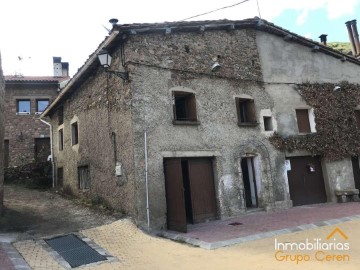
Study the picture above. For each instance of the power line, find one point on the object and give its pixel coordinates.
(257, 2)
(216, 10)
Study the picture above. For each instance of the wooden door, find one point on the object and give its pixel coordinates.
(356, 171)
(175, 202)
(306, 182)
(202, 189)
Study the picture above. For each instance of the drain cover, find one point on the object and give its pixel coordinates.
(75, 251)
(235, 224)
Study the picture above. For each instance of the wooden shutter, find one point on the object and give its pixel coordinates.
(302, 116)
(250, 111)
(192, 108)
(175, 202)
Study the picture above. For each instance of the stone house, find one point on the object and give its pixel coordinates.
(27, 139)
(2, 131)
(176, 130)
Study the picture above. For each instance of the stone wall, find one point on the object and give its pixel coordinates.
(102, 108)
(21, 130)
(161, 64)
(2, 131)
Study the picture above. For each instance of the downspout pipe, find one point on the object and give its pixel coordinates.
(146, 181)
(51, 152)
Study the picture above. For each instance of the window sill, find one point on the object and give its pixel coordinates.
(249, 124)
(38, 112)
(186, 123)
(22, 113)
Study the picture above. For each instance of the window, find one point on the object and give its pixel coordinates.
(357, 116)
(303, 122)
(74, 133)
(41, 105)
(61, 139)
(60, 177)
(246, 111)
(23, 106)
(184, 106)
(83, 177)
(268, 126)
(61, 115)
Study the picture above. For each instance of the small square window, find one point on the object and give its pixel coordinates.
(23, 106)
(74, 133)
(41, 104)
(245, 111)
(61, 139)
(184, 106)
(268, 126)
(83, 177)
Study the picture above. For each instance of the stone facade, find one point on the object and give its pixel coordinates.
(289, 64)
(27, 139)
(2, 131)
(22, 130)
(113, 118)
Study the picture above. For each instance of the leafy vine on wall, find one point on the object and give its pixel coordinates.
(337, 133)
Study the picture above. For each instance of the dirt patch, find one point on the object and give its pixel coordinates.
(34, 214)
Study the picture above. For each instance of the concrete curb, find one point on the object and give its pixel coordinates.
(14, 256)
(258, 236)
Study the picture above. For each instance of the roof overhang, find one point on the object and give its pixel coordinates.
(81, 75)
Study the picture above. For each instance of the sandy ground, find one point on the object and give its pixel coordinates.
(136, 250)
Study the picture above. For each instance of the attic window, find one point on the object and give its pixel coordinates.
(184, 107)
(245, 112)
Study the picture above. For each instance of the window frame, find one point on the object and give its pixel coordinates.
(18, 107)
(61, 139)
(60, 114)
(301, 121)
(37, 105)
(74, 133)
(81, 185)
(189, 108)
(246, 112)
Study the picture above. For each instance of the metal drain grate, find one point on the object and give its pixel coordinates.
(75, 251)
(235, 224)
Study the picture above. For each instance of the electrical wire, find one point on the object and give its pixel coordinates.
(216, 10)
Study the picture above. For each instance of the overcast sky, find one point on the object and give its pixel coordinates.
(37, 30)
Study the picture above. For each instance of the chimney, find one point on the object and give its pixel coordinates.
(61, 69)
(356, 36)
(323, 39)
(351, 36)
(65, 69)
(57, 66)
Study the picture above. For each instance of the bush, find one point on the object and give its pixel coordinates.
(32, 175)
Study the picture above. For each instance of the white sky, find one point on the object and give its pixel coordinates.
(37, 30)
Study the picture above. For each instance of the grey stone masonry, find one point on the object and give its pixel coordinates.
(2, 122)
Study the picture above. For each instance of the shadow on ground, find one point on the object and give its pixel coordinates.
(34, 214)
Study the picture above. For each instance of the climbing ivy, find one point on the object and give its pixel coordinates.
(337, 134)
